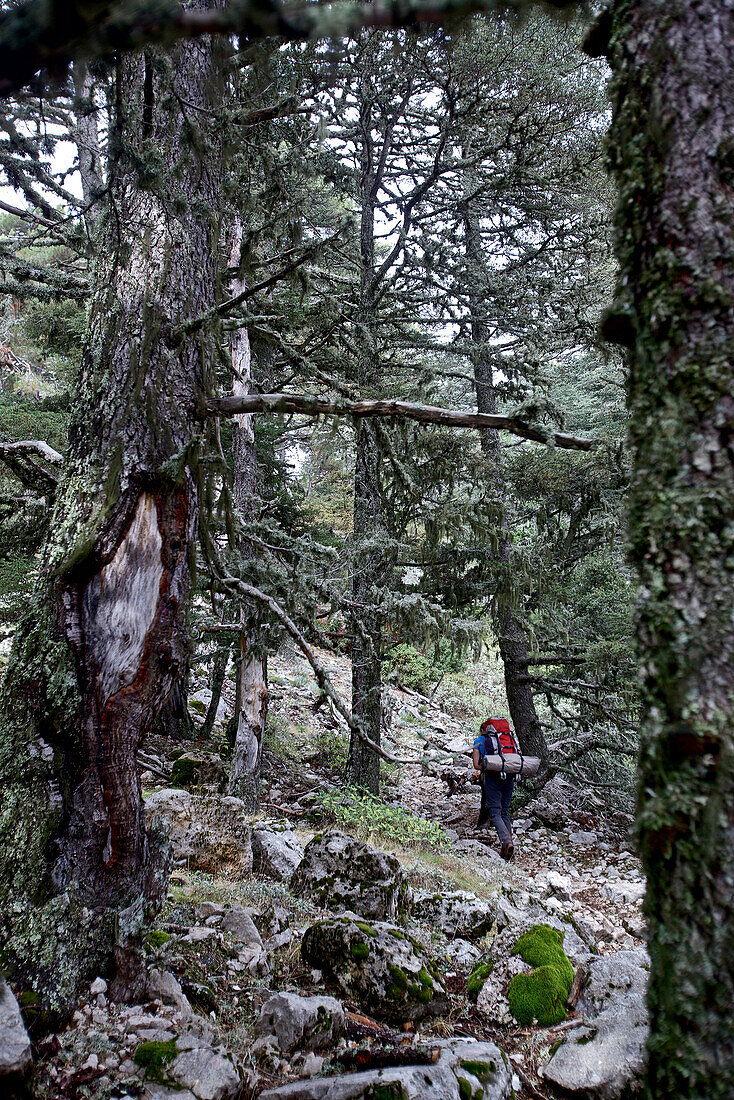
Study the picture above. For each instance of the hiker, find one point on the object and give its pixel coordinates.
(495, 739)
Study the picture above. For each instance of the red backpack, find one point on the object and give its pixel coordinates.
(497, 733)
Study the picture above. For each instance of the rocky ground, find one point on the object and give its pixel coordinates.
(334, 948)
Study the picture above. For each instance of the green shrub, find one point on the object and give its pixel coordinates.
(364, 816)
(541, 995)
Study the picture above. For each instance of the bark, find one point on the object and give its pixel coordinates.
(105, 640)
(363, 764)
(511, 637)
(673, 155)
(252, 681)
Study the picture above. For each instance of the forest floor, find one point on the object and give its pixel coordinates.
(572, 862)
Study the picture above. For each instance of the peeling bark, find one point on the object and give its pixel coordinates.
(105, 640)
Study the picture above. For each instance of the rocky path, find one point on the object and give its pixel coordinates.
(297, 964)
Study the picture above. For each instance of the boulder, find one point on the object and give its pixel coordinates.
(463, 1068)
(187, 1066)
(241, 927)
(457, 914)
(606, 1058)
(209, 832)
(463, 954)
(291, 1021)
(338, 872)
(377, 965)
(624, 893)
(515, 952)
(276, 851)
(194, 767)
(15, 1046)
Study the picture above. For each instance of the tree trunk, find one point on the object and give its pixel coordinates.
(511, 637)
(251, 701)
(673, 154)
(104, 641)
(363, 764)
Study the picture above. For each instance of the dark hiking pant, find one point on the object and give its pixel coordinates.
(497, 797)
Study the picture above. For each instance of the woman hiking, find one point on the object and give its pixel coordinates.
(495, 739)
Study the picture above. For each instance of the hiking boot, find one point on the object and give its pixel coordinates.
(507, 851)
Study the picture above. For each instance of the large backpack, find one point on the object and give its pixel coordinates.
(498, 736)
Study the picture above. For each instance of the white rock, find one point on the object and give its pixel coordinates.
(294, 1021)
(99, 985)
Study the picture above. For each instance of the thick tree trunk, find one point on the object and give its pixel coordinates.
(673, 153)
(511, 637)
(97, 656)
(251, 701)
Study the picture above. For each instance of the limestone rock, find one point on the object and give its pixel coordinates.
(206, 1073)
(306, 1022)
(15, 1046)
(456, 914)
(276, 850)
(463, 954)
(210, 832)
(464, 1068)
(338, 872)
(241, 927)
(606, 1058)
(378, 965)
(194, 767)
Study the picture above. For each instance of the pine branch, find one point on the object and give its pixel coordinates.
(424, 414)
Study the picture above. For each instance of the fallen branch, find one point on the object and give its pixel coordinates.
(406, 410)
(578, 984)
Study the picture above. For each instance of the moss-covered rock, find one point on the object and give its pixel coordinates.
(154, 1057)
(338, 872)
(541, 995)
(389, 976)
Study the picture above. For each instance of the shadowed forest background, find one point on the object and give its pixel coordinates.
(347, 397)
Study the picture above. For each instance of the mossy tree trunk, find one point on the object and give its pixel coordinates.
(105, 640)
(251, 699)
(511, 637)
(363, 764)
(673, 154)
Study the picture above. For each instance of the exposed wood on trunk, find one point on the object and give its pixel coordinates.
(105, 639)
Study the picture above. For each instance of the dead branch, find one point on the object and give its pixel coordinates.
(578, 984)
(406, 410)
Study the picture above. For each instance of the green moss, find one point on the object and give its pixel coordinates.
(154, 1056)
(183, 772)
(399, 985)
(359, 950)
(391, 1090)
(481, 1070)
(541, 995)
(476, 981)
(157, 937)
(542, 945)
(464, 1089)
(366, 928)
